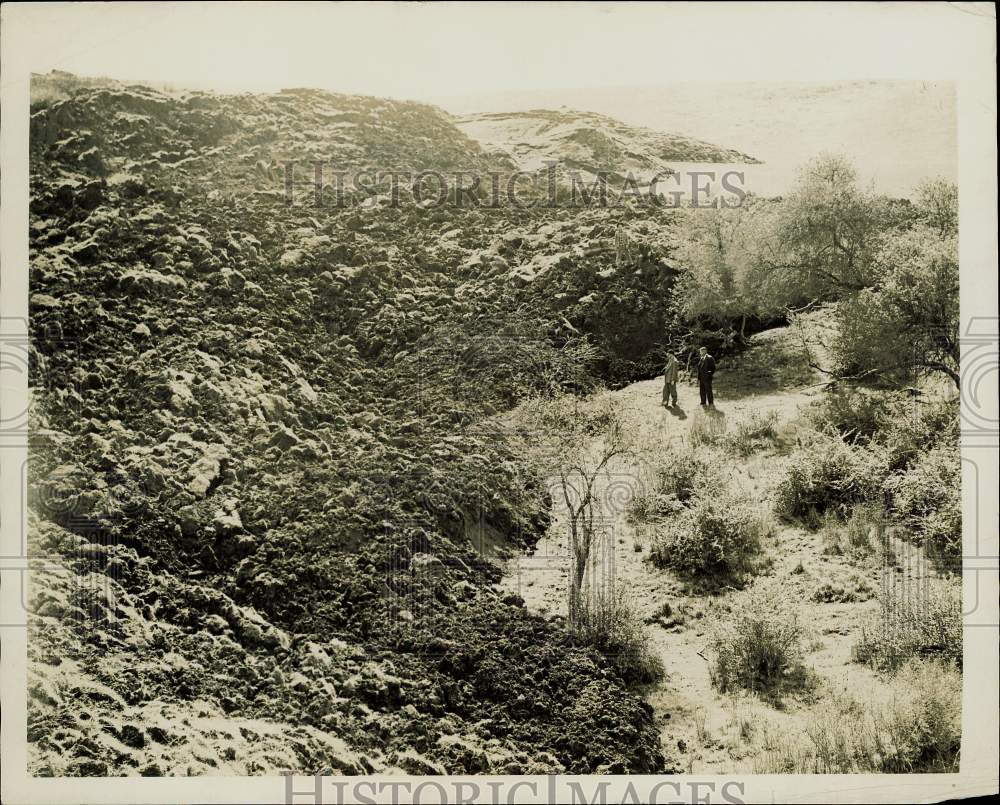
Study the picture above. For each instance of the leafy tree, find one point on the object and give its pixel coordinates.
(908, 323)
(823, 240)
(937, 201)
(719, 284)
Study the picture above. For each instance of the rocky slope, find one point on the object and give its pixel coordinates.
(258, 457)
(588, 143)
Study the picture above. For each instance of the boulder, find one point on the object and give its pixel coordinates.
(207, 470)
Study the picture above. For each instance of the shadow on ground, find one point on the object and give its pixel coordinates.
(770, 365)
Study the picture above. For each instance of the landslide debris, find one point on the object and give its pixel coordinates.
(258, 450)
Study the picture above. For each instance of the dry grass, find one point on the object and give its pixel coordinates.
(920, 618)
(607, 621)
(917, 730)
(862, 535)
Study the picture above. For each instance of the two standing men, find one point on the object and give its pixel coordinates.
(706, 372)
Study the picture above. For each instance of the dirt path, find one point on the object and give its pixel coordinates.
(704, 730)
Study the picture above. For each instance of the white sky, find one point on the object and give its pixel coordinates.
(431, 51)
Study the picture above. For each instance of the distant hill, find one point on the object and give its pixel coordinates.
(141, 122)
(894, 132)
(588, 142)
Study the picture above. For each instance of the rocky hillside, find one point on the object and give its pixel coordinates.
(260, 468)
(588, 143)
(236, 143)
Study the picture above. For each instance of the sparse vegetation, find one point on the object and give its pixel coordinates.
(758, 645)
(917, 730)
(607, 621)
(915, 619)
(859, 536)
(755, 432)
(842, 591)
(876, 458)
(672, 480)
(927, 499)
(707, 428)
(858, 414)
(828, 474)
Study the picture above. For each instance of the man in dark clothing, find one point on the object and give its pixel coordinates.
(706, 368)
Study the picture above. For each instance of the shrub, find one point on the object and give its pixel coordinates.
(758, 647)
(913, 621)
(902, 425)
(860, 536)
(917, 730)
(608, 622)
(675, 477)
(827, 474)
(753, 433)
(858, 415)
(924, 722)
(719, 534)
(842, 591)
(919, 428)
(927, 499)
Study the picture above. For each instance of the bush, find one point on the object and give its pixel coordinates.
(719, 534)
(608, 622)
(753, 433)
(860, 536)
(927, 499)
(828, 474)
(759, 647)
(858, 415)
(675, 477)
(918, 730)
(919, 621)
(924, 721)
(923, 426)
(843, 591)
(902, 425)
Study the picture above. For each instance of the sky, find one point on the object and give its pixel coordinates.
(433, 50)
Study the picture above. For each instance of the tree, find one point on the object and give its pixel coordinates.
(937, 201)
(909, 322)
(574, 442)
(720, 288)
(718, 284)
(822, 243)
